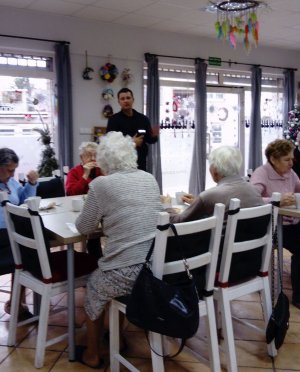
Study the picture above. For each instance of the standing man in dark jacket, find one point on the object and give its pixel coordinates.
(132, 123)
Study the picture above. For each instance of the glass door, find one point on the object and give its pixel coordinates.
(225, 118)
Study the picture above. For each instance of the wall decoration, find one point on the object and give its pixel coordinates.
(107, 111)
(86, 72)
(108, 72)
(107, 94)
(126, 76)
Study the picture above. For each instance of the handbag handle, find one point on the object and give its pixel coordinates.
(149, 254)
(173, 228)
(185, 263)
(274, 246)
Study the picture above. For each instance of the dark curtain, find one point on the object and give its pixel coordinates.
(255, 142)
(152, 111)
(64, 102)
(198, 168)
(288, 94)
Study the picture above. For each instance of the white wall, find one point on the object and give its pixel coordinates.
(127, 47)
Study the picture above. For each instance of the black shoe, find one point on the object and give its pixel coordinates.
(24, 312)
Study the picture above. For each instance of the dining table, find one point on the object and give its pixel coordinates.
(59, 220)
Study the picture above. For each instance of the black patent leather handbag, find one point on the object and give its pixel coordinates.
(168, 309)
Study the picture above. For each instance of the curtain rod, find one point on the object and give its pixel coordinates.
(35, 38)
(230, 62)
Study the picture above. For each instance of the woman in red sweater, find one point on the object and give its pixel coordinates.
(81, 175)
(78, 180)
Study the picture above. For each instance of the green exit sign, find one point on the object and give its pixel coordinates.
(214, 61)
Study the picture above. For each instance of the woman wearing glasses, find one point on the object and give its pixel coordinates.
(16, 195)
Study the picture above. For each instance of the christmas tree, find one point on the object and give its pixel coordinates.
(293, 127)
(48, 161)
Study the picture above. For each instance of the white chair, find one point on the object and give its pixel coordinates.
(245, 267)
(36, 268)
(65, 173)
(56, 173)
(206, 259)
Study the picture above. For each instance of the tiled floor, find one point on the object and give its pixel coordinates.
(251, 348)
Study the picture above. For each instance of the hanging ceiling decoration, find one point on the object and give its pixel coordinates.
(237, 19)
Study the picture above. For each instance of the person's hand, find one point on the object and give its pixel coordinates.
(87, 167)
(32, 177)
(188, 198)
(138, 140)
(166, 199)
(287, 199)
(155, 131)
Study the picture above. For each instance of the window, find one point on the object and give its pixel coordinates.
(228, 117)
(26, 103)
(26, 61)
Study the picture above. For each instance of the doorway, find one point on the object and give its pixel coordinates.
(225, 121)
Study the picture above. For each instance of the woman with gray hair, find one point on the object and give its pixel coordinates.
(127, 203)
(17, 193)
(81, 175)
(224, 166)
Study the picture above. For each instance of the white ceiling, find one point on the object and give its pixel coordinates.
(279, 23)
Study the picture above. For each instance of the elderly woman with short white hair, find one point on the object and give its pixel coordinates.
(81, 175)
(127, 204)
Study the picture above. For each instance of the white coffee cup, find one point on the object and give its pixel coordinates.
(297, 197)
(77, 204)
(178, 196)
(33, 202)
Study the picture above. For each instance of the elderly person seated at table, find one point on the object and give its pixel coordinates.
(17, 193)
(79, 177)
(277, 175)
(78, 180)
(127, 204)
(224, 166)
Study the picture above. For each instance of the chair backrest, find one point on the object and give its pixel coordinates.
(202, 257)
(248, 175)
(65, 172)
(247, 244)
(7, 264)
(27, 239)
(56, 173)
(50, 187)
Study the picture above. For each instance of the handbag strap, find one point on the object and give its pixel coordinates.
(167, 356)
(274, 247)
(166, 227)
(149, 254)
(185, 263)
